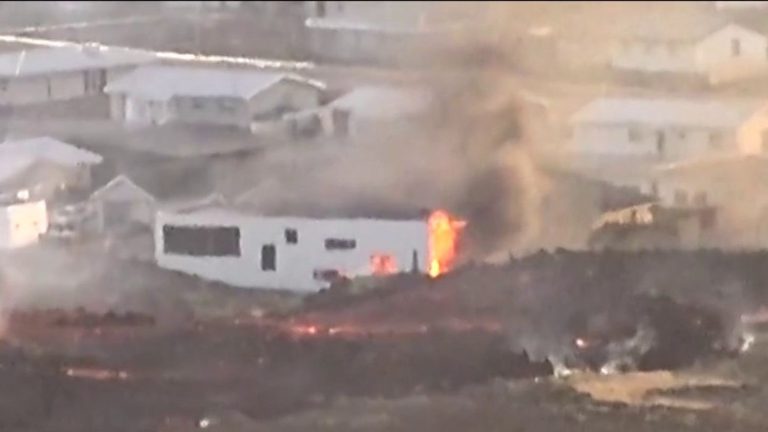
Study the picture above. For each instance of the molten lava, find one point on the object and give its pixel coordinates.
(444, 231)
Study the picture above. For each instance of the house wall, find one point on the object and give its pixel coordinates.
(141, 112)
(296, 263)
(210, 110)
(753, 133)
(22, 224)
(679, 142)
(655, 56)
(715, 56)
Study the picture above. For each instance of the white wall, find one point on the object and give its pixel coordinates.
(295, 263)
(714, 54)
(655, 56)
(22, 224)
(679, 142)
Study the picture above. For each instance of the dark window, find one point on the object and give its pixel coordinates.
(201, 241)
(715, 139)
(320, 9)
(334, 244)
(327, 275)
(291, 236)
(736, 47)
(268, 257)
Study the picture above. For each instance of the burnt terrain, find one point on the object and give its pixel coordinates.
(404, 337)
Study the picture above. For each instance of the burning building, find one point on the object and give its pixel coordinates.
(242, 247)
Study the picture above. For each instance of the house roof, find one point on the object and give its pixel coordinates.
(48, 149)
(383, 102)
(122, 187)
(13, 165)
(165, 82)
(706, 113)
(40, 61)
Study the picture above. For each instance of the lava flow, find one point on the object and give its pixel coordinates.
(444, 233)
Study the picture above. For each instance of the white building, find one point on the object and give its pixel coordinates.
(370, 109)
(242, 249)
(121, 202)
(52, 74)
(22, 223)
(669, 129)
(43, 165)
(720, 53)
(155, 95)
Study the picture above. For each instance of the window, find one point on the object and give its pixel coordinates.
(227, 106)
(197, 103)
(736, 47)
(291, 236)
(201, 240)
(715, 139)
(268, 257)
(328, 275)
(337, 244)
(633, 134)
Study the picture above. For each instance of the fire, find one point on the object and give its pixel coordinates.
(382, 264)
(444, 233)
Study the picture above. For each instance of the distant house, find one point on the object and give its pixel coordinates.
(156, 95)
(53, 74)
(370, 108)
(715, 50)
(22, 223)
(121, 203)
(669, 129)
(384, 31)
(239, 247)
(43, 166)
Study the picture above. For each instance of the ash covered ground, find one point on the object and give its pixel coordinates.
(454, 353)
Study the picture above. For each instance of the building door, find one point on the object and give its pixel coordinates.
(268, 257)
(661, 144)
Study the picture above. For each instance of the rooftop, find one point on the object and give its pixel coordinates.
(165, 82)
(659, 112)
(62, 59)
(49, 149)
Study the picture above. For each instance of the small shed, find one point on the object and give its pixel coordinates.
(121, 203)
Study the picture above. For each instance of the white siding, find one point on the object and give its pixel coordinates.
(296, 263)
(716, 58)
(678, 142)
(22, 224)
(655, 56)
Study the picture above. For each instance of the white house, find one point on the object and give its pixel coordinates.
(720, 53)
(375, 108)
(122, 202)
(52, 74)
(41, 165)
(155, 95)
(669, 129)
(22, 223)
(243, 249)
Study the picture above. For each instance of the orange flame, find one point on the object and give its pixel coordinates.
(383, 264)
(444, 233)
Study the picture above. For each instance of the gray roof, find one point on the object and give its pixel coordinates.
(41, 61)
(165, 82)
(706, 113)
(49, 149)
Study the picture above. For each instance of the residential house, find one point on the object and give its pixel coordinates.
(22, 223)
(375, 108)
(240, 247)
(121, 203)
(669, 128)
(385, 31)
(63, 73)
(44, 166)
(156, 95)
(732, 183)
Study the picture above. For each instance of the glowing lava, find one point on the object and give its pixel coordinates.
(444, 233)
